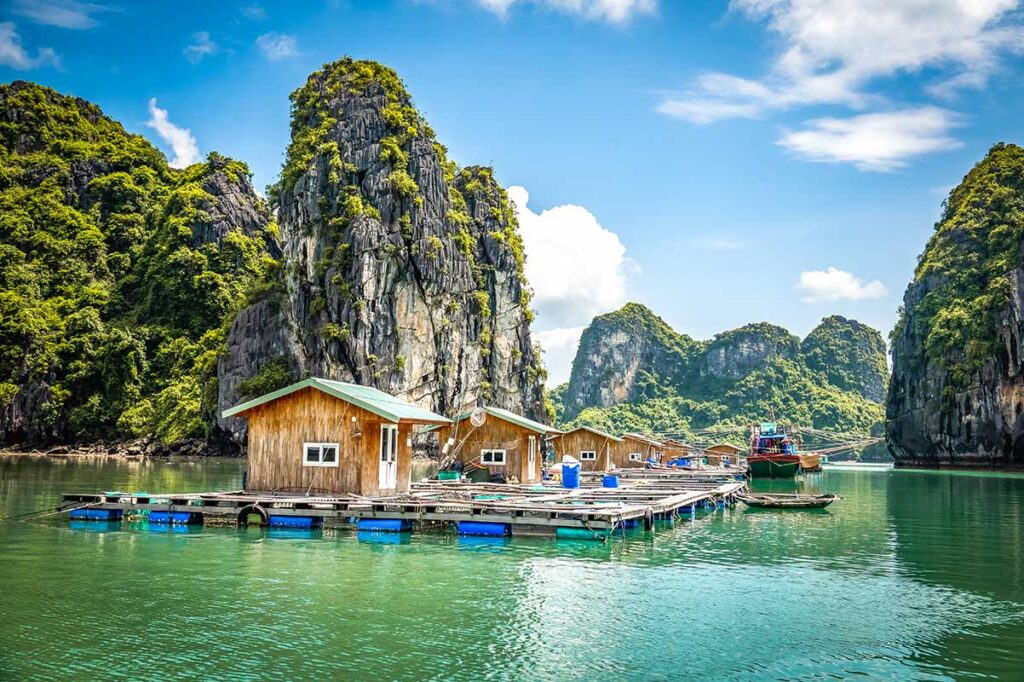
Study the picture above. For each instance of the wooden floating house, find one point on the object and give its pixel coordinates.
(636, 449)
(722, 452)
(596, 450)
(324, 435)
(509, 446)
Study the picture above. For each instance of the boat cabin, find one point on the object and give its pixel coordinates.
(321, 435)
(593, 448)
(506, 445)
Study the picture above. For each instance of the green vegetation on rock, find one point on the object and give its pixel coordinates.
(634, 373)
(963, 271)
(117, 274)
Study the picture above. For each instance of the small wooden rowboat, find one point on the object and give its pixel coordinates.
(787, 500)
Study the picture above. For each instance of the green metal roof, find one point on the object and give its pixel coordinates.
(370, 399)
(517, 419)
(594, 431)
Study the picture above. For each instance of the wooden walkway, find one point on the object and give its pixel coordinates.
(523, 508)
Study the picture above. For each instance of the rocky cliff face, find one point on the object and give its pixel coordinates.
(116, 274)
(736, 353)
(633, 372)
(399, 270)
(625, 356)
(957, 388)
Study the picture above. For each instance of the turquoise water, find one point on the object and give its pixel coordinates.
(912, 575)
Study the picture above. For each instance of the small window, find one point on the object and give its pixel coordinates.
(492, 458)
(320, 454)
(587, 455)
(532, 452)
(636, 457)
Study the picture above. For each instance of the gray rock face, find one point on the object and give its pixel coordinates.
(956, 397)
(734, 354)
(625, 356)
(235, 206)
(981, 424)
(414, 289)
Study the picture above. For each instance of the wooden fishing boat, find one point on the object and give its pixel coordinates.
(772, 453)
(787, 500)
(810, 461)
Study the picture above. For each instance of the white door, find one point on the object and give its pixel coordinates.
(531, 459)
(388, 456)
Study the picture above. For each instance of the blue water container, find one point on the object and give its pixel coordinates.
(384, 525)
(177, 518)
(96, 514)
(294, 521)
(610, 481)
(570, 475)
(484, 528)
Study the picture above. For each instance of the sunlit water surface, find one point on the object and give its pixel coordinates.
(912, 575)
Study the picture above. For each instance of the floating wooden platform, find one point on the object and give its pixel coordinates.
(518, 509)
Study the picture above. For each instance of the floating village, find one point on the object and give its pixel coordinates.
(325, 453)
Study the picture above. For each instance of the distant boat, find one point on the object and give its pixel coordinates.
(772, 453)
(788, 501)
(810, 461)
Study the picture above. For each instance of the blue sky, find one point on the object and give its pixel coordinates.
(723, 163)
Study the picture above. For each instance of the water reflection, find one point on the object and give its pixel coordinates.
(909, 575)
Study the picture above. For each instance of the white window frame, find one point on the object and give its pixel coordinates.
(532, 450)
(636, 457)
(392, 443)
(588, 455)
(320, 447)
(493, 451)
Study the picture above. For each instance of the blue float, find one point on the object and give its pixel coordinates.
(384, 525)
(294, 521)
(176, 518)
(484, 528)
(610, 481)
(96, 514)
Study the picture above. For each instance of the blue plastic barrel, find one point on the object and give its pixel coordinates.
(570, 475)
(294, 521)
(96, 514)
(610, 481)
(184, 518)
(384, 525)
(484, 528)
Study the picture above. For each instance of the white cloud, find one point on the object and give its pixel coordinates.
(14, 55)
(559, 347)
(874, 142)
(577, 268)
(63, 13)
(181, 141)
(201, 46)
(832, 50)
(834, 284)
(254, 12)
(609, 11)
(276, 46)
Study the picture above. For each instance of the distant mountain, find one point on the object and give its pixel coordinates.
(633, 372)
(957, 386)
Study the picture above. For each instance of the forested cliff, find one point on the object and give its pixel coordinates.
(138, 300)
(633, 372)
(957, 388)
